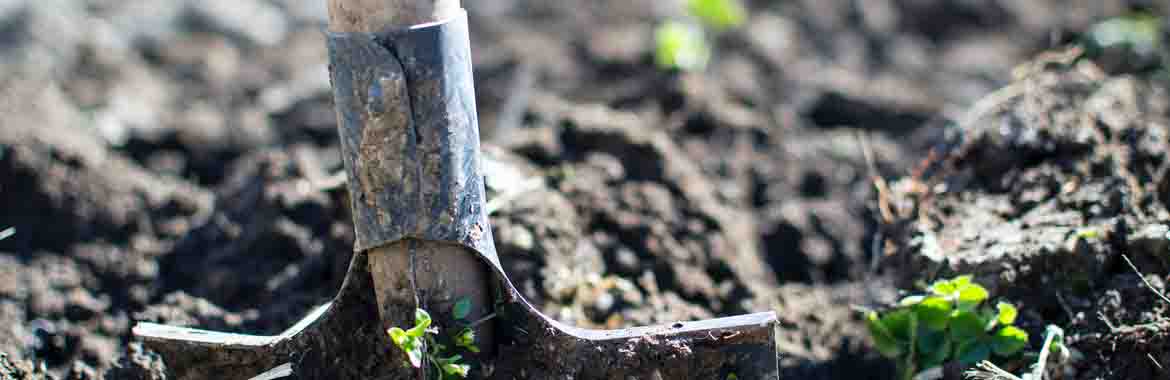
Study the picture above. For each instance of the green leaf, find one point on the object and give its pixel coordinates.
(967, 325)
(449, 360)
(1007, 313)
(398, 336)
(408, 344)
(945, 288)
(971, 352)
(934, 313)
(933, 348)
(460, 370)
(414, 353)
(1088, 234)
(1057, 334)
(970, 296)
(451, 367)
(422, 321)
(732, 376)
(422, 318)
(461, 309)
(466, 340)
(900, 323)
(718, 14)
(911, 301)
(883, 339)
(681, 46)
(1009, 340)
(7, 233)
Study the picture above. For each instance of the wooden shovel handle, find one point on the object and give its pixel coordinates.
(431, 275)
(376, 15)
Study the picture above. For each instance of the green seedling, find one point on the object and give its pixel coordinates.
(681, 46)
(421, 347)
(718, 14)
(684, 45)
(1088, 234)
(950, 323)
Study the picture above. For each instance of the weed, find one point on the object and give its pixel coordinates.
(1088, 234)
(421, 347)
(681, 46)
(950, 323)
(718, 14)
(684, 45)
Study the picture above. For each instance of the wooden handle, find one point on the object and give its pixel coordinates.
(377, 15)
(431, 275)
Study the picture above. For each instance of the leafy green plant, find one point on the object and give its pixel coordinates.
(421, 346)
(684, 45)
(950, 323)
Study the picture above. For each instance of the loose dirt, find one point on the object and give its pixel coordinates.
(168, 162)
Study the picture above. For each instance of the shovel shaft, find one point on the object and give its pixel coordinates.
(371, 16)
(403, 165)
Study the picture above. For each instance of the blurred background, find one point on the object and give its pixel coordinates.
(177, 161)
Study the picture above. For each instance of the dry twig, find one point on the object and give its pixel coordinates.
(1144, 280)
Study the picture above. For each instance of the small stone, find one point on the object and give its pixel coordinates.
(523, 238)
(604, 302)
(626, 260)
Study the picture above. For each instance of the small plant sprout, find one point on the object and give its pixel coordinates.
(421, 346)
(684, 45)
(681, 46)
(1088, 234)
(466, 340)
(413, 341)
(951, 323)
(718, 14)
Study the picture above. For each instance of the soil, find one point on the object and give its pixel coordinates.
(1054, 197)
(176, 162)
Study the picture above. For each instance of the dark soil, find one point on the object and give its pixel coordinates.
(1043, 197)
(174, 162)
